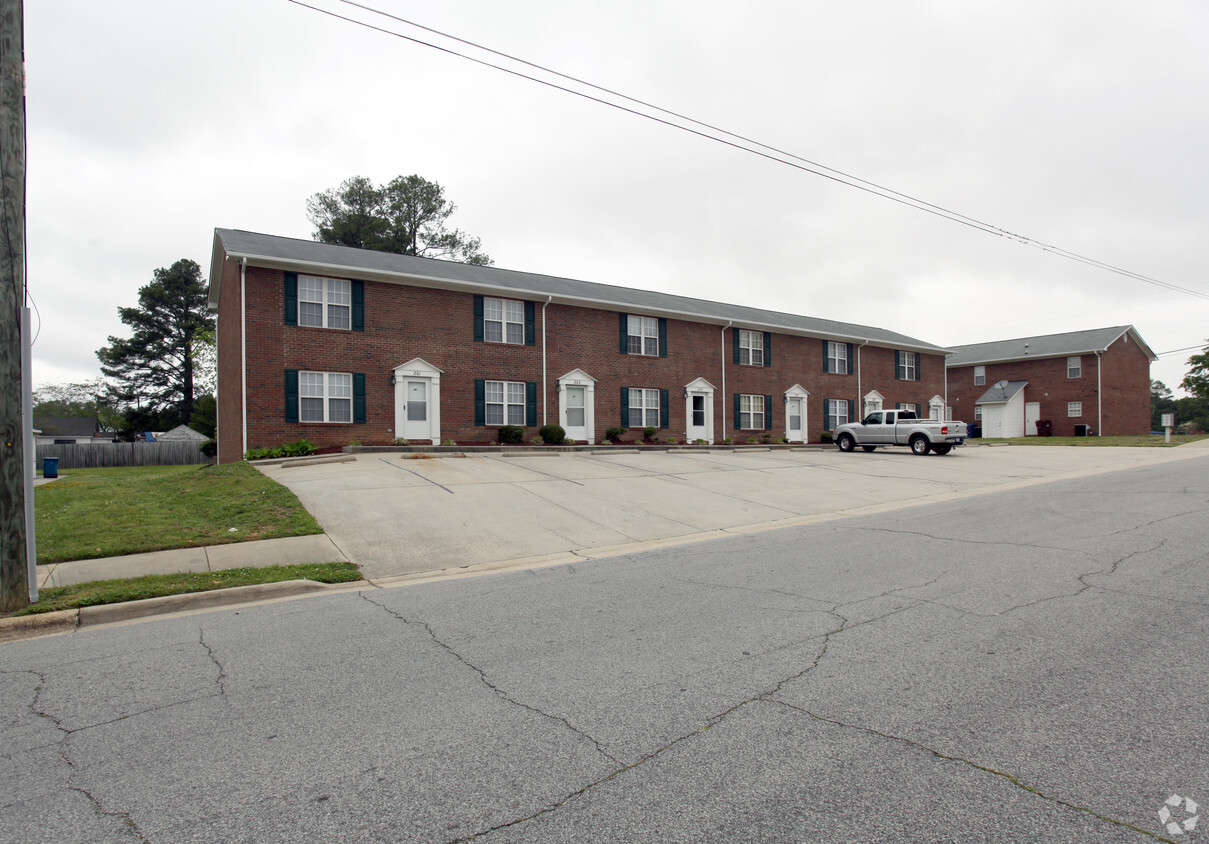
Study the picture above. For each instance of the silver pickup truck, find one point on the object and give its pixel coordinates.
(900, 427)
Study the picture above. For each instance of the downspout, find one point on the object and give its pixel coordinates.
(545, 382)
(1099, 400)
(243, 349)
(859, 398)
(729, 323)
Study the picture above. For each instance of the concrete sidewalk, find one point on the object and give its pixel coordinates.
(258, 554)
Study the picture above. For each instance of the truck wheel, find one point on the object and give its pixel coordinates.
(920, 445)
(941, 449)
(869, 447)
(846, 442)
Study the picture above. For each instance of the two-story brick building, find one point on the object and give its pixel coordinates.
(335, 344)
(1094, 382)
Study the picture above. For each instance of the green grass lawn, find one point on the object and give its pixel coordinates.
(90, 513)
(98, 592)
(1155, 440)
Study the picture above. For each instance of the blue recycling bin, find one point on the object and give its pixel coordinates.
(50, 467)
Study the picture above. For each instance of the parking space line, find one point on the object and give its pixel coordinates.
(529, 469)
(417, 474)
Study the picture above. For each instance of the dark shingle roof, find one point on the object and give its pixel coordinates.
(1045, 346)
(343, 261)
(1002, 395)
(66, 426)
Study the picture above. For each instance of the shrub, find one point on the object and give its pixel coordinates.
(449, 442)
(826, 437)
(700, 441)
(614, 435)
(553, 434)
(728, 440)
(209, 448)
(671, 440)
(649, 433)
(399, 441)
(354, 443)
(298, 448)
(512, 434)
(752, 441)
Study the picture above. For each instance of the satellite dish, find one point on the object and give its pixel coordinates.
(999, 385)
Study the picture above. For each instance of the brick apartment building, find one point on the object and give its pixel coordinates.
(335, 344)
(1094, 382)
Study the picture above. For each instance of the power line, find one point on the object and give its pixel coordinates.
(731, 139)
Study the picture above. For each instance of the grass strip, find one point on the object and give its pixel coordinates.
(90, 513)
(157, 585)
(1141, 440)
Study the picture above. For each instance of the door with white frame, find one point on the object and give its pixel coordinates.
(873, 402)
(699, 411)
(1032, 412)
(576, 405)
(796, 414)
(418, 401)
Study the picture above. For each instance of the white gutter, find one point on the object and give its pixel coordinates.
(545, 382)
(1099, 400)
(728, 325)
(243, 349)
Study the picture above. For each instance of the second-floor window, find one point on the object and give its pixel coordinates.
(642, 335)
(908, 366)
(324, 302)
(503, 321)
(837, 358)
(980, 376)
(751, 349)
(1074, 367)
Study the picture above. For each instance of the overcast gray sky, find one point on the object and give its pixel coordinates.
(1079, 124)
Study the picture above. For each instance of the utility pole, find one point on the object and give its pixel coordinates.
(14, 559)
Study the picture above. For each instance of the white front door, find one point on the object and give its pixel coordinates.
(699, 418)
(1032, 412)
(794, 432)
(417, 424)
(575, 417)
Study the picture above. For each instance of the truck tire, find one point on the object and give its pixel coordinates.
(941, 449)
(845, 442)
(920, 445)
(869, 447)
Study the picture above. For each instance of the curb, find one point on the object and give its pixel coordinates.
(67, 621)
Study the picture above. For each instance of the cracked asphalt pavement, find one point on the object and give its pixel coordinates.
(1026, 664)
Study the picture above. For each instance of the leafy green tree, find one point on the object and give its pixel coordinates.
(87, 399)
(1162, 400)
(1196, 382)
(154, 369)
(407, 215)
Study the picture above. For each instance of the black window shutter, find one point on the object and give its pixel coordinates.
(738, 412)
(663, 339)
(530, 323)
(851, 409)
(826, 366)
(625, 407)
(663, 408)
(768, 413)
(358, 305)
(827, 426)
(918, 360)
(480, 398)
(768, 348)
(734, 343)
(851, 361)
(359, 398)
(291, 299)
(530, 402)
(625, 333)
(291, 395)
(899, 372)
(478, 320)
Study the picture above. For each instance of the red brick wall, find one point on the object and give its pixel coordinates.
(1124, 380)
(403, 322)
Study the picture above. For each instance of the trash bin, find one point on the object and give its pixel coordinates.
(1045, 428)
(973, 431)
(50, 467)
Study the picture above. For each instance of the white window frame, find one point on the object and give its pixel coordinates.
(503, 321)
(977, 413)
(837, 353)
(833, 412)
(645, 403)
(751, 347)
(980, 376)
(906, 364)
(508, 400)
(1074, 409)
(334, 298)
(1074, 366)
(642, 335)
(751, 419)
(908, 405)
(334, 390)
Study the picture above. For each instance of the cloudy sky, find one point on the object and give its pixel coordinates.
(1081, 125)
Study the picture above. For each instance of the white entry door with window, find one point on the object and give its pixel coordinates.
(418, 401)
(796, 414)
(575, 419)
(576, 406)
(699, 411)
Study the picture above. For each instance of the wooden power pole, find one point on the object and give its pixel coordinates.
(14, 585)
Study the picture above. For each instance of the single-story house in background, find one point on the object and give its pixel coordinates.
(1094, 382)
(335, 344)
(69, 430)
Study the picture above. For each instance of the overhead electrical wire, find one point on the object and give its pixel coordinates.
(728, 138)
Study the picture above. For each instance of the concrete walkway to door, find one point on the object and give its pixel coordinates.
(399, 515)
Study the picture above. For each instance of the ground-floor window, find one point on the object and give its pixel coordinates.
(325, 397)
(644, 408)
(839, 412)
(504, 402)
(751, 412)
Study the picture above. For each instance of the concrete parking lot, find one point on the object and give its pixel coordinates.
(403, 516)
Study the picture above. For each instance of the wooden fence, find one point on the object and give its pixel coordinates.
(99, 455)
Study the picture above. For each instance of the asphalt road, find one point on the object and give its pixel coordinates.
(1021, 665)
